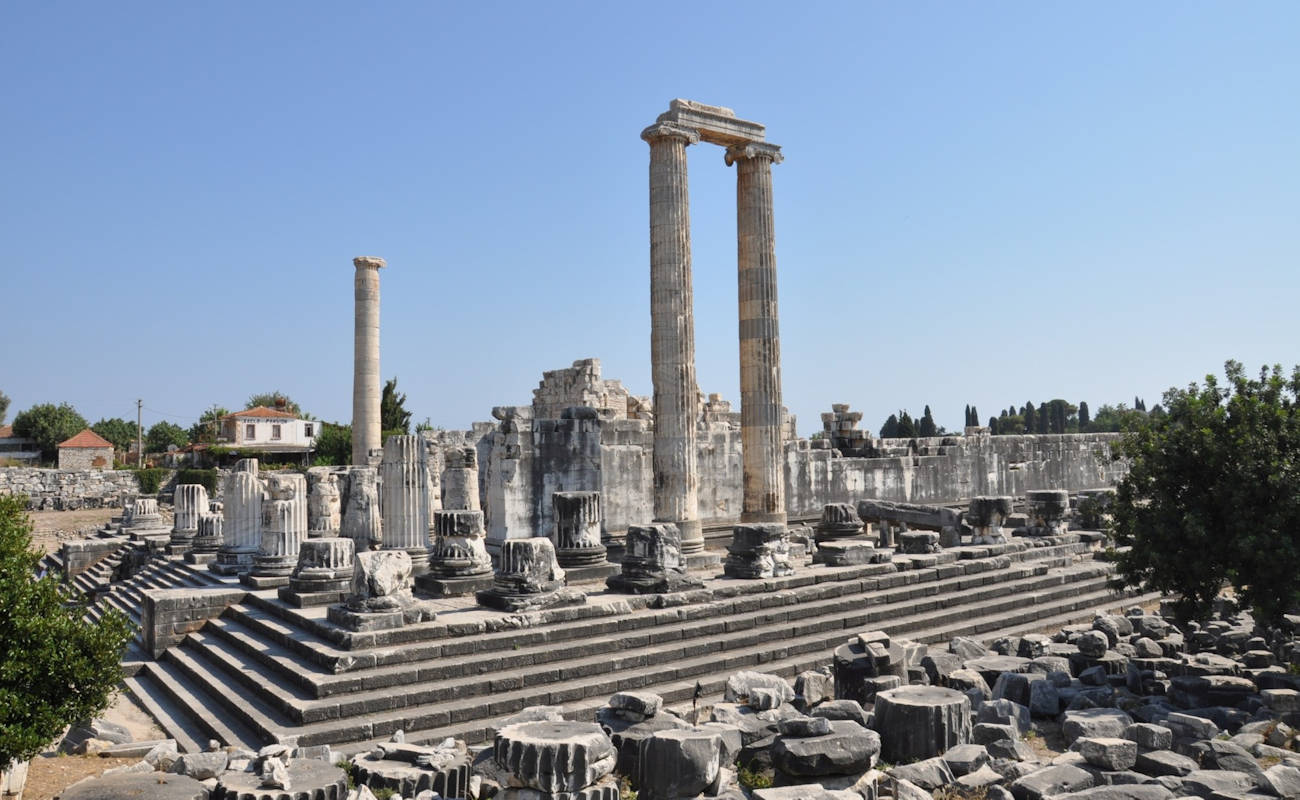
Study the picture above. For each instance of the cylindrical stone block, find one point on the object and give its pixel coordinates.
(242, 528)
(555, 757)
(577, 529)
(1048, 509)
(284, 527)
(760, 345)
(839, 521)
(678, 763)
(672, 336)
(209, 537)
(324, 502)
(362, 522)
(458, 546)
(460, 479)
(324, 565)
(528, 566)
(917, 722)
(189, 500)
(405, 506)
(365, 360)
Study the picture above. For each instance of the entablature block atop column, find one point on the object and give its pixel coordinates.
(715, 124)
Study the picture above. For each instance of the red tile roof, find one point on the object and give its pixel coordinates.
(87, 438)
(6, 431)
(262, 411)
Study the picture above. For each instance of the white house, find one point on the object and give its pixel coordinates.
(268, 430)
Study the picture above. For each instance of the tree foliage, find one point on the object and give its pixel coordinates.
(162, 435)
(333, 445)
(208, 427)
(393, 416)
(274, 400)
(1210, 498)
(116, 430)
(4, 407)
(49, 424)
(56, 668)
(925, 426)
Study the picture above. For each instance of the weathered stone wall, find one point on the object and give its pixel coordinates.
(85, 458)
(68, 490)
(529, 459)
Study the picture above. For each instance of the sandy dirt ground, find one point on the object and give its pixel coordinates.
(53, 528)
(49, 773)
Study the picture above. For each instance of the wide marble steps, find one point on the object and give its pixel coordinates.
(266, 671)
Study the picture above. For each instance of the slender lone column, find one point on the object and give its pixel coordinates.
(760, 344)
(405, 503)
(365, 361)
(672, 335)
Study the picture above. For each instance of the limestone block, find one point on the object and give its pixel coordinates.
(458, 545)
(1108, 753)
(921, 721)
(847, 749)
(324, 565)
(577, 536)
(362, 521)
(381, 581)
(324, 502)
(759, 550)
(1048, 509)
(137, 784)
(652, 561)
(986, 516)
(679, 763)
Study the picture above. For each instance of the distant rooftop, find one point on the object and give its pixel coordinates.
(86, 438)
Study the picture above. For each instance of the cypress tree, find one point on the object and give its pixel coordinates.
(926, 426)
(890, 429)
(1030, 421)
(1085, 418)
(906, 427)
(1044, 418)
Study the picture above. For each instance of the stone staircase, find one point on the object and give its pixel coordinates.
(267, 671)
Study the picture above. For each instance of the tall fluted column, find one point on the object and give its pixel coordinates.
(365, 361)
(672, 335)
(760, 344)
(405, 505)
(189, 500)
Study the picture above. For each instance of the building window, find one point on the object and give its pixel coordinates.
(250, 431)
(308, 430)
(275, 433)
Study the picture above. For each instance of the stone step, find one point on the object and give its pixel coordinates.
(462, 701)
(178, 723)
(213, 713)
(676, 692)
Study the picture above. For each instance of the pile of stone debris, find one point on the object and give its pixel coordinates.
(1127, 707)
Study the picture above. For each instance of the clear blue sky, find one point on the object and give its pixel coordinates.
(981, 203)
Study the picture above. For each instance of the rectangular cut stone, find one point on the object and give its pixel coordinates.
(716, 125)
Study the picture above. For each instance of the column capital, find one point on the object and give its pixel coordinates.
(368, 262)
(661, 130)
(747, 150)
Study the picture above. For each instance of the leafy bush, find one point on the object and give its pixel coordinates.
(49, 424)
(150, 479)
(56, 668)
(207, 478)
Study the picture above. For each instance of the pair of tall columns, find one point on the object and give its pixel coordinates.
(672, 334)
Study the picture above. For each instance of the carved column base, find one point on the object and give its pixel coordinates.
(233, 560)
(760, 550)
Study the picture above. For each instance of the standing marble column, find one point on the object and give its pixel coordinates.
(672, 335)
(405, 506)
(188, 501)
(760, 344)
(242, 525)
(365, 360)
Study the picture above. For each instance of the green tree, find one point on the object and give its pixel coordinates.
(4, 407)
(968, 414)
(974, 415)
(49, 424)
(117, 430)
(1084, 417)
(163, 434)
(275, 400)
(208, 428)
(393, 415)
(1031, 418)
(333, 445)
(56, 668)
(906, 426)
(890, 429)
(1043, 419)
(925, 426)
(1215, 476)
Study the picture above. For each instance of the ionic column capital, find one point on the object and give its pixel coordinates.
(666, 130)
(368, 262)
(771, 152)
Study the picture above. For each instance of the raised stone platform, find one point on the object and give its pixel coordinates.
(266, 670)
